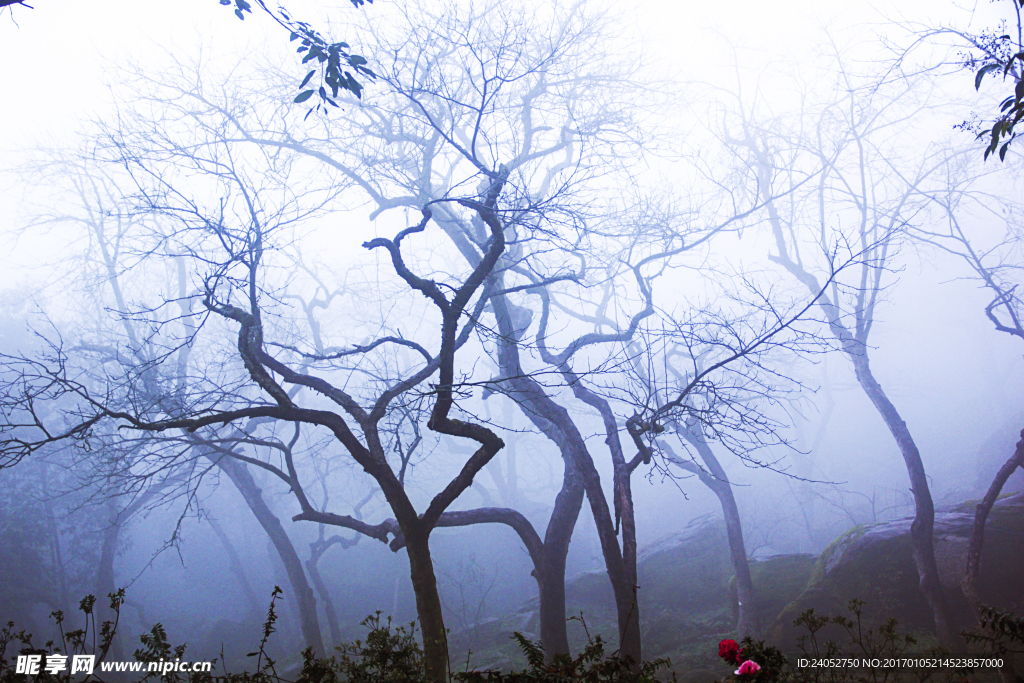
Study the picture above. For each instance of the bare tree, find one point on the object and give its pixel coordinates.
(713, 475)
(228, 244)
(508, 151)
(967, 209)
(413, 148)
(716, 373)
(532, 97)
(135, 474)
(843, 167)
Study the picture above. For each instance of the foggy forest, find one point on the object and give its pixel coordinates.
(481, 340)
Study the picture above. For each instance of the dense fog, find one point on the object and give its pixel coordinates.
(529, 295)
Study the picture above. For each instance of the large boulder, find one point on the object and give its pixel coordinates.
(778, 580)
(875, 564)
(687, 601)
(684, 589)
(688, 597)
(688, 593)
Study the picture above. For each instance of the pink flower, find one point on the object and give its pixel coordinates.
(748, 667)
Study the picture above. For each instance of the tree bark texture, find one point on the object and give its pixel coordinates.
(428, 605)
(548, 555)
(554, 636)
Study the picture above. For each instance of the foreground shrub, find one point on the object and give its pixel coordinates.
(389, 654)
(754, 662)
(1002, 635)
(88, 640)
(394, 657)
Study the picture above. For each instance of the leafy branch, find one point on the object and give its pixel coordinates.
(337, 67)
(998, 54)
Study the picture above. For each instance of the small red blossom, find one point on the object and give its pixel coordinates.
(730, 651)
(748, 667)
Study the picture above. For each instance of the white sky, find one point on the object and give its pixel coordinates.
(55, 56)
(60, 57)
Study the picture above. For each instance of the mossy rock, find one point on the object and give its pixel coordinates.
(683, 594)
(688, 571)
(685, 602)
(778, 581)
(875, 564)
(687, 590)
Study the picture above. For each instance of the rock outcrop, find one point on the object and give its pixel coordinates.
(874, 564)
(688, 600)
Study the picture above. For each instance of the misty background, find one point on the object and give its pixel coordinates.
(104, 207)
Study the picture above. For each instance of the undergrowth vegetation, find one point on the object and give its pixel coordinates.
(391, 654)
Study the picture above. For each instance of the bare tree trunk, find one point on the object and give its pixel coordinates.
(325, 598)
(921, 529)
(980, 517)
(428, 605)
(620, 562)
(1006, 672)
(554, 636)
(555, 422)
(854, 344)
(748, 623)
(304, 599)
(626, 598)
(718, 481)
(105, 582)
(548, 555)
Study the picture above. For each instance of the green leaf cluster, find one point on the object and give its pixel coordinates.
(339, 69)
(1003, 57)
